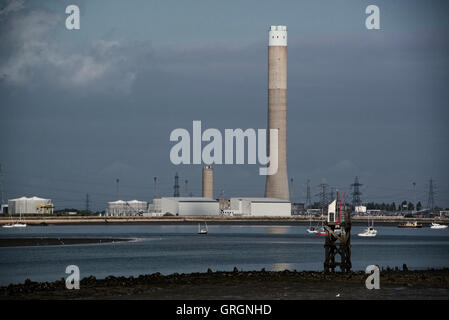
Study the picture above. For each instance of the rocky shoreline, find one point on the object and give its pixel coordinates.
(395, 284)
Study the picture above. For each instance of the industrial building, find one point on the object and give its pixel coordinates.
(360, 209)
(184, 206)
(260, 207)
(298, 209)
(4, 209)
(33, 205)
(126, 208)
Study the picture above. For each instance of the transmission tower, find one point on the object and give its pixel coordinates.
(118, 188)
(291, 190)
(414, 195)
(87, 202)
(323, 196)
(308, 200)
(356, 192)
(176, 186)
(431, 196)
(332, 194)
(154, 187)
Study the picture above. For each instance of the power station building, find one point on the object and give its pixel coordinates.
(33, 205)
(126, 208)
(184, 206)
(277, 184)
(260, 207)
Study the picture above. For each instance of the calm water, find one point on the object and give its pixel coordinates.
(177, 248)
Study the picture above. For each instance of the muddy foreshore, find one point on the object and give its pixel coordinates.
(395, 284)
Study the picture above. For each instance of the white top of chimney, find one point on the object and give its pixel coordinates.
(277, 36)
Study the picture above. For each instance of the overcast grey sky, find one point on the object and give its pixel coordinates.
(79, 109)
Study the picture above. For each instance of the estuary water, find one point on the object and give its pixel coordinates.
(178, 248)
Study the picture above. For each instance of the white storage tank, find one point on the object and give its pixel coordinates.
(138, 206)
(26, 205)
(126, 208)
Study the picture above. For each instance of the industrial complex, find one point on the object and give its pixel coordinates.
(276, 201)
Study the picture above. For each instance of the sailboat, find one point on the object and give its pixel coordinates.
(321, 231)
(369, 232)
(311, 228)
(17, 224)
(202, 230)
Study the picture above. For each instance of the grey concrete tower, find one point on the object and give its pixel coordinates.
(277, 184)
(208, 182)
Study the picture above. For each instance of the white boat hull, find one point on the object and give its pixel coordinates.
(16, 225)
(441, 226)
(370, 232)
(367, 234)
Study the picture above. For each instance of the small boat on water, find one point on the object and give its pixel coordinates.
(369, 232)
(316, 230)
(320, 232)
(435, 225)
(202, 230)
(411, 225)
(312, 230)
(16, 224)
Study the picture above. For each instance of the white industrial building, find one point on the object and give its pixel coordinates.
(360, 209)
(33, 205)
(184, 206)
(126, 208)
(259, 207)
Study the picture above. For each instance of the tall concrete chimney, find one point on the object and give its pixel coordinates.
(277, 185)
(208, 182)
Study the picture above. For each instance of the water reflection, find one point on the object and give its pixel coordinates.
(280, 266)
(278, 230)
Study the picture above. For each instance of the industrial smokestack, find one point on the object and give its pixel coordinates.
(208, 182)
(277, 184)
